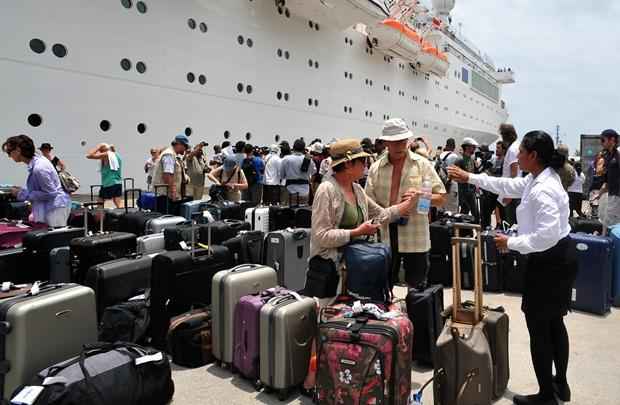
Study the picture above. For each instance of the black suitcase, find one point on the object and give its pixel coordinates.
(247, 247)
(88, 251)
(585, 225)
(440, 253)
(425, 309)
(118, 280)
(513, 267)
(223, 230)
(16, 210)
(183, 233)
(492, 272)
(221, 210)
(303, 217)
(281, 218)
(135, 220)
(179, 281)
(11, 265)
(76, 220)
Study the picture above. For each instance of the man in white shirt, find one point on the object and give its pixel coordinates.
(446, 159)
(510, 169)
(273, 163)
(296, 170)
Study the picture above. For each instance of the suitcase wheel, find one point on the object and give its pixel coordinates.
(282, 394)
(233, 369)
(258, 385)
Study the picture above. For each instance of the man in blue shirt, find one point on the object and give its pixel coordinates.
(254, 169)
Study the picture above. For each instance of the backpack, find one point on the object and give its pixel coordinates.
(440, 168)
(249, 169)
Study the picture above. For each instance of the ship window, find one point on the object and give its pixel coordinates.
(188, 131)
(279, 53)
(141, 6)
(316, 103)
(286, 96)
(316, 65)
(240, 39)
(140, 67)
(287, 55)
(316, 26)
(126, 3)
(191, 23)
(104, 125)
(287, 13)
(277, 138)
(310, 102)
(249, 89)
(226, 134)
(350, 110)
(465, 75)
(279, 95)
(203, 27)
(59, 50)
(125, 64)
(250, 42)
(191, 77)
(141, 128)
(202, 79)
(35, 120)
(248, 136)
(37, 46)
(310, 24)
(240, 87)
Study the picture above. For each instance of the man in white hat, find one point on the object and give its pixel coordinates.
(273, 181)
(467, 192)
(394, 176)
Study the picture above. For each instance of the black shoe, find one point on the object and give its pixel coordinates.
(562, 390)
(533, 400)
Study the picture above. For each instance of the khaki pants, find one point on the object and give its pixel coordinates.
(196, 191)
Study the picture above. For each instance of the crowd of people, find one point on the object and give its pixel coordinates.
(363, 188)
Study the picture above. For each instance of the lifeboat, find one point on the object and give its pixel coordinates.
(395, 38)
(338, 14)
(432, 60)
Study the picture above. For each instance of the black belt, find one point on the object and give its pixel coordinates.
(296, 181)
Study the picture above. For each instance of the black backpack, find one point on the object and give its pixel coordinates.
(441, 170)
(249, 170)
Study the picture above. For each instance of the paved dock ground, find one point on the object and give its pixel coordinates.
(594, 367)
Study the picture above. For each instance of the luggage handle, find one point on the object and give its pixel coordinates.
(243, 267)
(459, 313)
(167, 187)
(133, 191)
(93, 204)
(127, 180)
(92, 190)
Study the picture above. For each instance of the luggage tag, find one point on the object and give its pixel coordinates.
(415, 398)
(27, 396)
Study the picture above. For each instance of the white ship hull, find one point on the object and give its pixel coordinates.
(326, 80)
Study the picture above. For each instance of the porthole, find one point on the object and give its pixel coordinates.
(83, 143)
(277, 138)
(310, 102)
(249, 89)
(104, 125)
(203, 27)
(188, 131)
(280, 10)
(191, 77)
(287, 13)
(141, 128)
(191, 23)
(202, 79)
(126, 64)
(249, 42)
(286, 96)
(310, 62)
(240, 87)
(279, 95)
(141, 67)
(126, 3)
(141, 6)
(287, 55)
(248, 136)
(350, 110)
(310, 24)
(316, 26)
(35, 120)
(37, 45)
(226, 134)
(316, 103)
(59, 50)
(279, 53)
(346, 109)
(316, 65)
(240, 39)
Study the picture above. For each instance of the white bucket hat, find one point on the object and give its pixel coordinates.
(469, 142)
(395, 130)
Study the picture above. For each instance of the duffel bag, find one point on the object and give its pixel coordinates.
(189, 338)
(368, 268)
(125, 322)
(104, 373)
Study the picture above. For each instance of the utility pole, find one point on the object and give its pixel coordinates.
(557, 135)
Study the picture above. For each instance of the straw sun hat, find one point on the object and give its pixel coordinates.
(346, 150)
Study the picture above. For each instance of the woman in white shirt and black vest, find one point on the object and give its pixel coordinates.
(552, 263)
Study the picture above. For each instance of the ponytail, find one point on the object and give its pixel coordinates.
(557, 160)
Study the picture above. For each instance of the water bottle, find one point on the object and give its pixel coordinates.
(424, 201)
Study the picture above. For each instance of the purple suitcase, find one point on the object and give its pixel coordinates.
(246, 342)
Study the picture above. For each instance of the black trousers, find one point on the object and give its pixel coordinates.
(468, 203)
(510, 211)
(575, 202)
(271, 194)
(416, 265)
(488, 202)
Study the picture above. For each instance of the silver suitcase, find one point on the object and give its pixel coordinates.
(157, 225)
(287, 251)
(287, 326)
(38, 330)
(60, 265)
(153, 243)
(227, 288)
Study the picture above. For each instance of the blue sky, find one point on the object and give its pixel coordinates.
(565, 54)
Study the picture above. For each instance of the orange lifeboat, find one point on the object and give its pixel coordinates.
(432, 60)
(396, 39)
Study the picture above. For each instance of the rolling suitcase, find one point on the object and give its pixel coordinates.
(189, 338)
(258, 217)
(148, 244)
(364, 360)
(585, 225)
(17, 210)
(227, 288)
(492, 272)
(463, 363)
(424, 308)
(223, 230)
(288, 325)
(40, 244)
(513, 266)
(160, 224)
(281, 218)
(179, 237)
(42, 328)
(136, 221)
(118, 280)
(191, 208)
(248, 247)
(11, 264)
(287, 252)
(440, 254)
(221, 210)
(303, 217)
(615, 290)
(592, 289)
(60, 265)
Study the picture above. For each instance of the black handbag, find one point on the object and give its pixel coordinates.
(125, 322)
(322, 278)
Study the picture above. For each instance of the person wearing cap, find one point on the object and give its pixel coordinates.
(254, 169)
(296, 171)
(171, 170)
(342, 211)
(273, 181)
(399, 174)
(46, 150)
(111, 173)
(611, 178)
(510, 169)
(467, 192)
(231, 177)
(197, 166)
(447, 158)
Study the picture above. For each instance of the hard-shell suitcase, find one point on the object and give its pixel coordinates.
(148, 244)
(221, 210)
(11, 264)
(258, 217)
(615, 290)
(88, 251)
(40, 329)
(496, 329)
(224, 230)
(180, 280)
(303, 217)
(287, 251)
(60, 265)
(585, 225)
(246, 336)
(513, 266)
(288, 325)
(424, 308)
(40, 244)
(157, 225)
(181, 235)
(16, 210)
(248, 247)
(592, 289)
(12, 233)
(363, 360)
(227, 288)
(440, 254)
(492, 272)
(189, 338)
(463, 363)
(189, 209)
(281, 218)
(136, 221)
(118, 280)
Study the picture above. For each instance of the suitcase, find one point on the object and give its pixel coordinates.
(157, 225)
(463, 363)
(246, 336)
(303, 217)
(191, 208)
(41, 329)
(492, 272)
(362, 360)
(177, 237)
(60, 265)
(287, 252)
(281, 218)
(227, 288)
(88, 251)
(118, 280)
(76, 219)
(425, 309)
(258, 217)
(221, 210)
(40, 244)
(592, 289)
(11, 264)
(148, 244)
(248, 247)
(585, 225)
(136, 221)
(496, 326)
(440, 254)
(223, 230)
(288, 325)
(180, 280)
(513, 266)
(615, 290)
(12, 233)
(112, 218)
(189, 338)
(16, 210)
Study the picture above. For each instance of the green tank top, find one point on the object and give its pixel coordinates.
(112, 177)
(352, 216)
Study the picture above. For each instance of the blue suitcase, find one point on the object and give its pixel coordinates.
(191, 208)
(592, 289)
(615, 288)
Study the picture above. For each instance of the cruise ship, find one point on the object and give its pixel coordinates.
(136, 73)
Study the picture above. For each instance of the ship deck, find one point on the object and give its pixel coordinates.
(594, 367)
